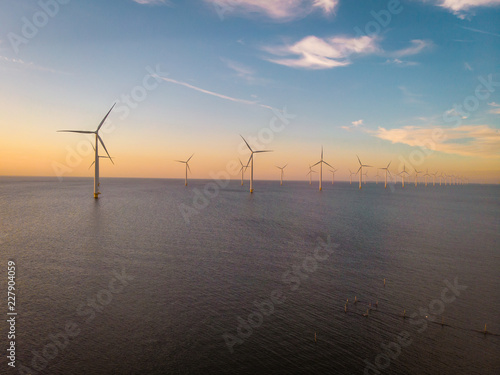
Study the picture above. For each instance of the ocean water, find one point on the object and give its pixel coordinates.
(157, 278)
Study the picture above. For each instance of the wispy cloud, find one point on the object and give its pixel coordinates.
(353, 125)
(410, 97)
(279, 10)
(471, 140)
(401, 63)
(416, 46)
(18, 63)
(496, 108)
(463, 8)
(153, 2)
(212, 93)
(322, 53)
(244, 72)
(468, 67)
(480, 31)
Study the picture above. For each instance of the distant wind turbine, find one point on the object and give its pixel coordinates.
(243, 168)
(426, 175)
(416, 176)
(187, 167)
(350, 176)
(386, 169)
(251, 161)
(360, 170)
(402, 174)
(281, 173)
(96, 149)
(310, 174)
(333, 174)
(434, 178)
(321, 162)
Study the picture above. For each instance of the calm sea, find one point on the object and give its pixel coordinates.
(157, 278)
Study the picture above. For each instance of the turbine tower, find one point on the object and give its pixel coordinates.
(98, 140)
(187, 167)
(360, 170)
(386, 169)
(321, 162)
(350, 176)
(281, 173)
(251, 160)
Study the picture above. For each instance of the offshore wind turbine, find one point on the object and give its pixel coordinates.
(187, 167)
(321, 162)
(402, 174)
(366, 177)
(416, 176)
(360, 170)
(376, 178)
(310, 174)
(281, 173)
(98, 140)
(350, 176)
(242, 169)
(333, 174)
(386, 171)
(426, 175)
(251, 161)
(434, 178)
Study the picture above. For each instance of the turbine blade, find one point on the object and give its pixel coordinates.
(92, 164)
(104, 119)
(359, 160)
(255, 152)
(389, 164)
(327, 164)
(105, 149)
(316, 164)
(250, 159)
(189, 158)
(76, 131)
(189, 169)
(246, 143)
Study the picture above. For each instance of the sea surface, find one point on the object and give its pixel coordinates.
(159, 278)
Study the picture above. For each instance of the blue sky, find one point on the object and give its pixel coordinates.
(374, 78)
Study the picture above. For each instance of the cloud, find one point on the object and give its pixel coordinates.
(496, 108)
(236, 100)
(152, 2)
(322, 53)
(353, 125)
(463, 8)
(28, 65)
(399, 62)
(479, 31)
(470, 140)
(417, 46)
(409, 96)
(468, 67)
(279, 10)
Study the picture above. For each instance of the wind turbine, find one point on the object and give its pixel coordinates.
(281, 174)
(386, 171)
(310, 174)
(434, 178)
(187, 167)
(402, 174)
(350, 176)
(426, 175)
(243, 168)
(360, 170)
(366, 177)
(321, 162)
(96, 149)
(376, 178)
(251, 160)
(333, 174)
(416, 176)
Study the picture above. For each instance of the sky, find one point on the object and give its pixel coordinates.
(414, 83)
